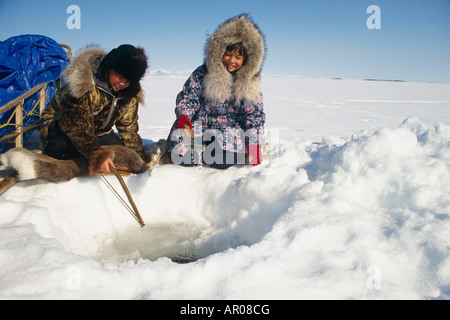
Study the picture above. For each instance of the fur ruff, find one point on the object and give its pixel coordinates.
(80, 73)
(218, 80)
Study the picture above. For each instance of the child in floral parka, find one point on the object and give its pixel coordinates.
(220, 109)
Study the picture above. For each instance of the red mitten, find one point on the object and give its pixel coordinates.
(254, 154)
(184, 121)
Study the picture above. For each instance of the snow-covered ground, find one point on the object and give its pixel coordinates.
(354, 204)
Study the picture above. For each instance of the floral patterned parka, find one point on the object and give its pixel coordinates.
(235, 123)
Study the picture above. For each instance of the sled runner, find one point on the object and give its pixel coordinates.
(8, 182)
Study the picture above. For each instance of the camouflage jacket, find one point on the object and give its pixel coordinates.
(85, 107)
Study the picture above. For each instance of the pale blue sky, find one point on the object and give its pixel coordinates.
(319, 38)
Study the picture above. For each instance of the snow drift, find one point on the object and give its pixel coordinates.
(349, 207)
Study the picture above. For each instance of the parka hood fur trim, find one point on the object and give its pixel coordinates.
(81, 74)
(218, 80)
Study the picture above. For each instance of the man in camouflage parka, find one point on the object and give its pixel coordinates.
(102, 90)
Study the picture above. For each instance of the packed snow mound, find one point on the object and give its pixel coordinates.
(390, 169)
(359, 217)
(353, 204)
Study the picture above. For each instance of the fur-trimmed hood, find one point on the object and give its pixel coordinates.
(84, 73)
(218, 80)
(79, 75)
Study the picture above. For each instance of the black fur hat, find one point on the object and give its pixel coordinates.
(127, 60)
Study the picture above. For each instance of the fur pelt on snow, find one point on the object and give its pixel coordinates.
(218, 80)
(34, 165)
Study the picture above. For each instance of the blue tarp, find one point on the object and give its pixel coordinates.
(26, 61)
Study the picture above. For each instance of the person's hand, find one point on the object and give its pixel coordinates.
(184, 123)
(254, 154)
(104, 168)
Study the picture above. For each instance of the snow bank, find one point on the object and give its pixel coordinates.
(364, 216)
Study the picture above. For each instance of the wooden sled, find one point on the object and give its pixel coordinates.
(9, 181)
(16, 136)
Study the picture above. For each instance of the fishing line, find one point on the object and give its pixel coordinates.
(119, 197)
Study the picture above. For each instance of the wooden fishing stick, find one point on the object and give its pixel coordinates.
(127, 192)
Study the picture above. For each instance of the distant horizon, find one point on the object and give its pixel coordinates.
(161, 72)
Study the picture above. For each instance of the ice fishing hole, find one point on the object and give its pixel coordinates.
(174, 241)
